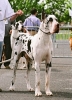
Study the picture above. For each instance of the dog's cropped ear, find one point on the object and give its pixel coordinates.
(22, 30)
(46, 15)
(12, 26)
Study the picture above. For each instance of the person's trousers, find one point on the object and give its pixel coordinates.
(32, 33)
(1, 48)
(7, 50)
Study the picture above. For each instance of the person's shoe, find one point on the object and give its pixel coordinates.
(0, 90)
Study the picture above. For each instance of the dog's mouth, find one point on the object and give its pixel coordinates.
(57, 30)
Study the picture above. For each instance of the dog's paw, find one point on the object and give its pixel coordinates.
(49, 93)
(30, 88)
(37, 94)
(12, 88)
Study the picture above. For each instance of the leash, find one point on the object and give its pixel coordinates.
(6, 60)
(7, 17)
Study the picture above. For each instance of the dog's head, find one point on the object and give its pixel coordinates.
(51, 24)
(18, 26)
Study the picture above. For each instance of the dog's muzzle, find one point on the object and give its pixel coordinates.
(57, 28)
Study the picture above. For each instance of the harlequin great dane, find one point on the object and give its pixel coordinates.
(38, 48)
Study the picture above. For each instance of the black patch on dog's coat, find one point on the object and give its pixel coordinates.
(15, 53)
(47, 66)
(32, 58)
(23, 41)
(18, 38)
(16, 61)
(16, 43)
(28, 45)
(12, 83)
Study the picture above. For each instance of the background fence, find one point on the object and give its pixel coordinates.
(61, 43)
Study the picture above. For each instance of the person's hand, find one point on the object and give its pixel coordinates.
(10, 32)
(19, 12)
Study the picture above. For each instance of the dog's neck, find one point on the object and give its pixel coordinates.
(43, 30)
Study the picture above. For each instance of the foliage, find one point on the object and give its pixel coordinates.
(25, 6)
(57, 7)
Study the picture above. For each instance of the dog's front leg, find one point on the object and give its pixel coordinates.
(15, 64)
(37, 80)
(47, 79)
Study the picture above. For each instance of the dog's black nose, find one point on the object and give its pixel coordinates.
(58, 25)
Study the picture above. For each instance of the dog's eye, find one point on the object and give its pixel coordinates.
(56, 19)
(17, 25)
(50, 19)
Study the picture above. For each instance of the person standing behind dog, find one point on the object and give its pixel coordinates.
(7, 42)
(32, 21)
(5, 12)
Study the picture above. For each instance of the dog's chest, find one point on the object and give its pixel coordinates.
(26, 44)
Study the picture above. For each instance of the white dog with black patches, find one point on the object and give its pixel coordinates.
(38, 48)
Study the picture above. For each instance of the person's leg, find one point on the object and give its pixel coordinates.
(7, 50)
(1, 47)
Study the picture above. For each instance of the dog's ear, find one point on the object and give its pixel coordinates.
(22, 30)
(46, 15)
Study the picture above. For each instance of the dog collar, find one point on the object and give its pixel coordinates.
(48, 33)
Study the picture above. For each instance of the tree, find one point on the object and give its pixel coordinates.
(57, 7)
(25, 5)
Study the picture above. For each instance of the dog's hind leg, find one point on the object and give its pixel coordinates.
(37, 79)
(29, 64)
(47, 78)
(15, 64)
